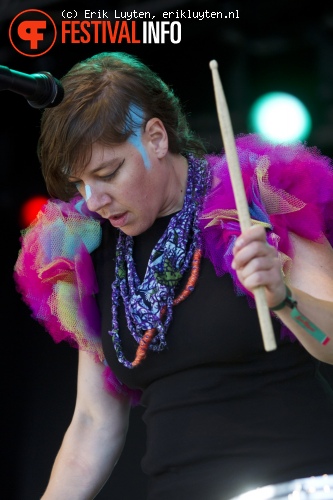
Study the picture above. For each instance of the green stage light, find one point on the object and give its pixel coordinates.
(280, 117)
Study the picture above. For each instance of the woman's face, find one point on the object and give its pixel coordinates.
(130, 186)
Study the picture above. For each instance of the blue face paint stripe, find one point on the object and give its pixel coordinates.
(88, 192)
(135, 121)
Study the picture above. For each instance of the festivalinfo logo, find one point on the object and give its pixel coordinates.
(33, 32)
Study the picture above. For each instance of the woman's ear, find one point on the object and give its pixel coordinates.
(157, 137)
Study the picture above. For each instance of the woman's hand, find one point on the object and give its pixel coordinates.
(311, 281)
(257, 264)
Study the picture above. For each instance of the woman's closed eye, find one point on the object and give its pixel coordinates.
(79, 184)
(113, 174)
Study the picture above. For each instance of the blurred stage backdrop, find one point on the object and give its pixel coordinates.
(261, 47)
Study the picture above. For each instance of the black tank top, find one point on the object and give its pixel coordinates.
(222, 415)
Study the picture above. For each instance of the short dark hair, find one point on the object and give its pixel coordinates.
(98, 94)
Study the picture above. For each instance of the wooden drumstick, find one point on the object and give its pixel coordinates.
(240, 198)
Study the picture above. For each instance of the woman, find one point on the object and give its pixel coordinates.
(147, 224)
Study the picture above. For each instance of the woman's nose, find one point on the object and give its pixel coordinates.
(95, 199)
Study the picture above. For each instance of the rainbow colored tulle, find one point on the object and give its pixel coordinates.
(56, 278)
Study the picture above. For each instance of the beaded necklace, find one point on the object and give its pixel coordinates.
(148, 304)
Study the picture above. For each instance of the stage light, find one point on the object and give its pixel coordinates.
(280, 117)
(30, 209)
(264, 493)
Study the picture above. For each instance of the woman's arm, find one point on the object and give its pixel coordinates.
(311, 283)
(94, 439)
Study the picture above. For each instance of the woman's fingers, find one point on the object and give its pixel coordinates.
(257, 264)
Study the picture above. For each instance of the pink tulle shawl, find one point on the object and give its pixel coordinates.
(288, 188)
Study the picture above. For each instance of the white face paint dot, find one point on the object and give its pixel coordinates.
(88, 192)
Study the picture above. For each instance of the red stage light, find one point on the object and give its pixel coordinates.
(30, 209)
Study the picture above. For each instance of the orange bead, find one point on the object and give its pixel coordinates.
(148, 336)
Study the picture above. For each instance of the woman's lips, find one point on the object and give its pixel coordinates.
(119, 220)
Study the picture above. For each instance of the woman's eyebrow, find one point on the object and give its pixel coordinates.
(107, 163)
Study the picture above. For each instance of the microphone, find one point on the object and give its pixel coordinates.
(41, 90)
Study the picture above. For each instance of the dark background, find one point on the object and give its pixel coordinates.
(273, 45)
